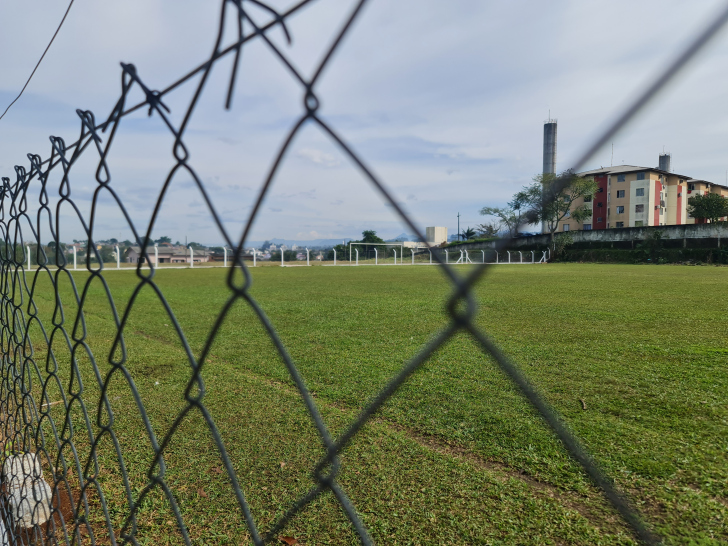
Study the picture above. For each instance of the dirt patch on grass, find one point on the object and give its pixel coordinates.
(592, 507)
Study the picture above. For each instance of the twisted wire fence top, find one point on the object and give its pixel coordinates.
(30, 365)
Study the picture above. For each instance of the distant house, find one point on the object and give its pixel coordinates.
(167, 254)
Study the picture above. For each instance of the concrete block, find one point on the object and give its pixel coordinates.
(29, 494)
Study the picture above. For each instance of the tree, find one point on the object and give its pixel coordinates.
(370, 236)
(711, 207)
(342, 252)
(468, 233)
(511, 215)
(265, 245)
(488, 229)
(288, 256)
(107, 254)
(164, 239)
(552, 198)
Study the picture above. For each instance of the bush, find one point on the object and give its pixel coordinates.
(660, 256)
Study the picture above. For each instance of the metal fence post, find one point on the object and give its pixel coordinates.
(376, 257)
(357, 255)
(192, 257)
(307, 256)
(28, 249)
(74, 257)
(413, 256)
(395, 255)
(156, 255)
(521, 255)
(447, 259)
(118, 257)
(224, 259)
(334, 256)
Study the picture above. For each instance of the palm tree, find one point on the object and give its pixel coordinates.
(468, 233)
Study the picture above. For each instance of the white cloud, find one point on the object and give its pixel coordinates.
(319, 157)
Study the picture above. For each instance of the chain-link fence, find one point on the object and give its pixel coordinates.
(52, 475)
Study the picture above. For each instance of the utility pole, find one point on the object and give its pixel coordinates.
(458, 226)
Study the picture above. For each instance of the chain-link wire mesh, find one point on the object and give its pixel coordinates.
(42, 435)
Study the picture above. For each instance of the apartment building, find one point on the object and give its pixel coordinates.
(631, 196)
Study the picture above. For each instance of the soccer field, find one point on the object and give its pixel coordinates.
(633, 357)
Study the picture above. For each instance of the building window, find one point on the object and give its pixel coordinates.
(640, 176)
(620, 210)
(620, 178)
(568, 214)
(620, 224)
(600, 220)
(639, 208)
(662, 211)
(620, 193)
(566, 227)
(587, 198)
(640, 192)
(638, 223)
(587, 226)
(691, 187)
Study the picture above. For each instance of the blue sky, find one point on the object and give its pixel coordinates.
(445, 101)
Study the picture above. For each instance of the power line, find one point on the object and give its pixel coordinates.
(39, 60)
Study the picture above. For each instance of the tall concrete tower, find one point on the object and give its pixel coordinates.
(549, 146)
(549, 152)
(664, 162)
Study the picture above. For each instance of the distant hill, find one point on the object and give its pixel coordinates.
(402, 237)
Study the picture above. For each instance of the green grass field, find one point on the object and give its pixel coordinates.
(457, 456)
